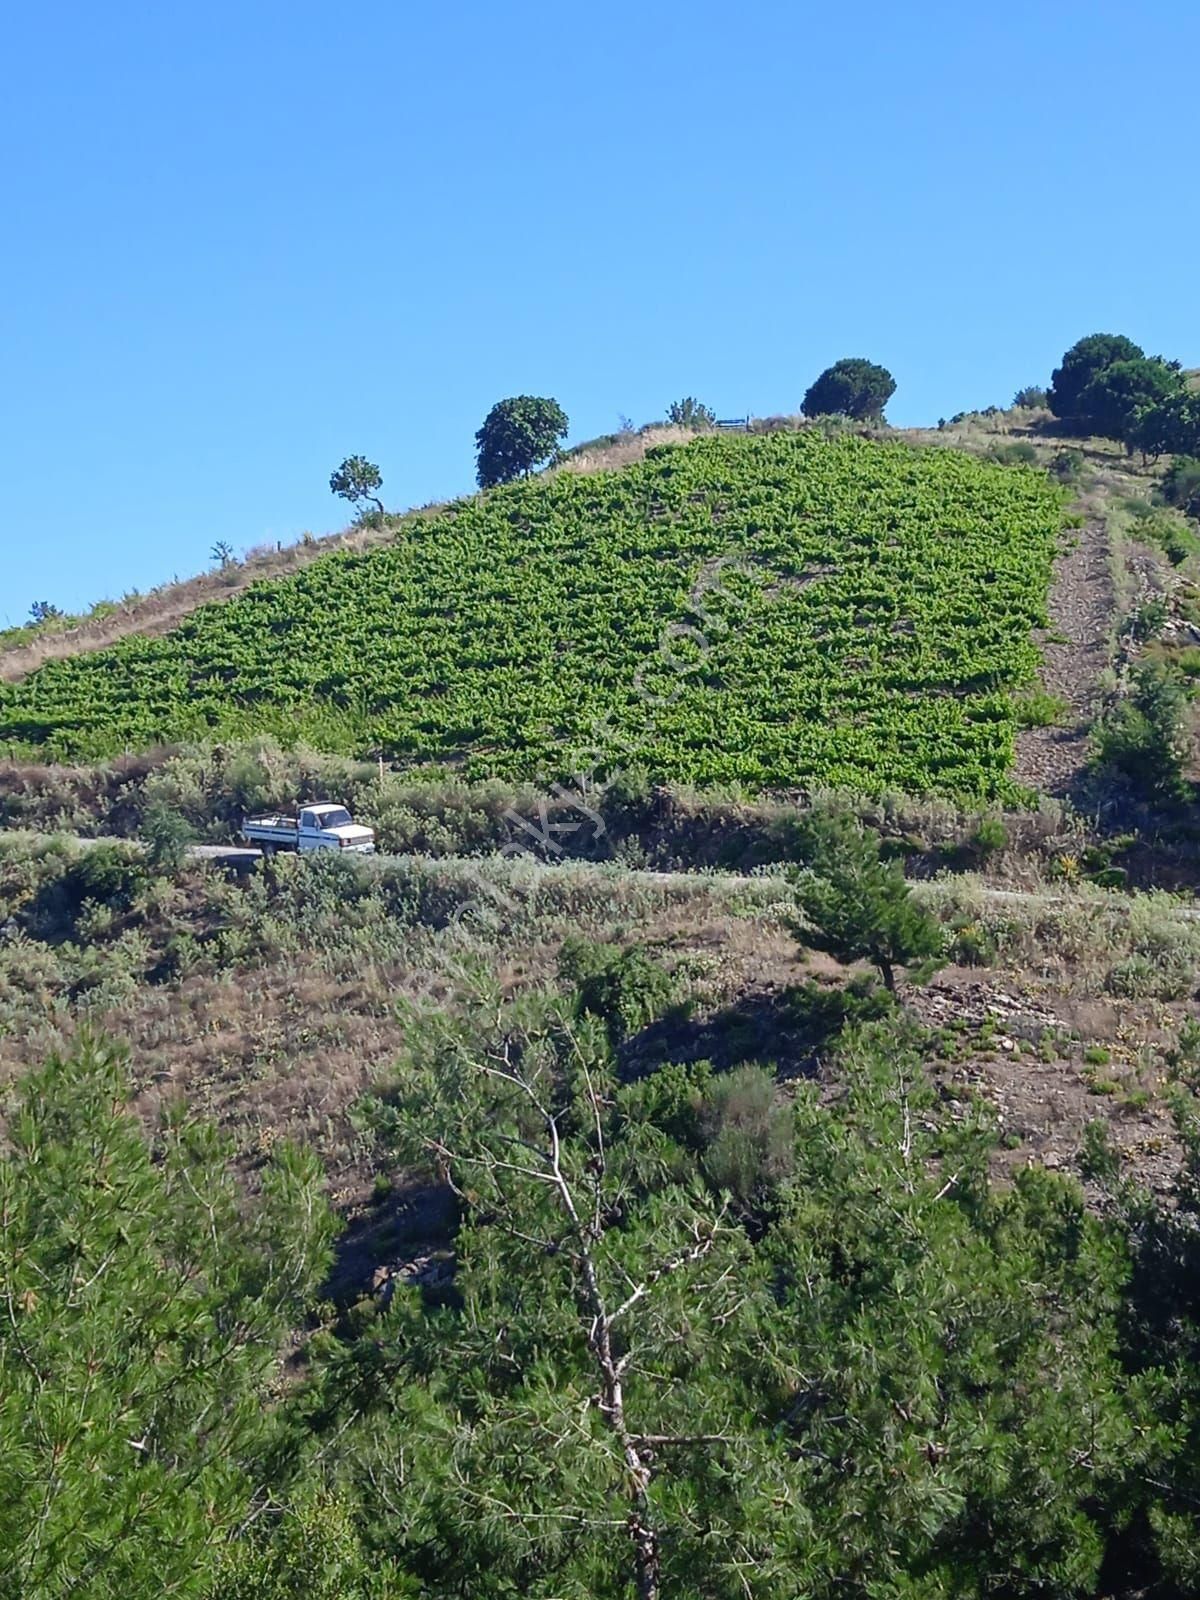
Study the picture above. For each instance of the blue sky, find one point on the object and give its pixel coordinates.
(242, 240)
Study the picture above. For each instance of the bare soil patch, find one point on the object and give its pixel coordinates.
(1075, 653)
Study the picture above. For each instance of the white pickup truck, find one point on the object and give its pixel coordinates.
(318, 827)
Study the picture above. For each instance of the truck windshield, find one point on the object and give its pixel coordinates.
(337, 818)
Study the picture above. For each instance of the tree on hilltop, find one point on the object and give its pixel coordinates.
(852, 387)
(517, 435)
(1171, 427)
(1082, 363)
(356, 480)
(1117, 397)
(690, 413)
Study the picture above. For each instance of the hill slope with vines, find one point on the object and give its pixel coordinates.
(770, 611)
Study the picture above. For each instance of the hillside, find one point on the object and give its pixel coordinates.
(445, 1148)
(773, 611)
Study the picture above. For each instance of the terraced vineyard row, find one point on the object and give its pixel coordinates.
(774, 611)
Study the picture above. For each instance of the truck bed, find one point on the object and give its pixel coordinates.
(277, 825)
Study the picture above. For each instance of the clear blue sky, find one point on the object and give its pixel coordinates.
(242, 240)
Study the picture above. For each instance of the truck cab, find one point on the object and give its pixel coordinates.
(331, 827)
(318, 826)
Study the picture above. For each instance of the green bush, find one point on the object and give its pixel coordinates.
(1181, 485)
(748, 1135)
(1020, 453)
(1035, 708)
(1147, 621)
(1145, 738)
(167, 836)
(1067, 466)
(689, 413)
(1170, 530)
(626, 989)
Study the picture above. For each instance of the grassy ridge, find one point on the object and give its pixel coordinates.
(770, 611)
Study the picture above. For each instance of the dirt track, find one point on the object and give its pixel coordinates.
(1075, 650)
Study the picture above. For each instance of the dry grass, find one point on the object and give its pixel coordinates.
(624, 450)
(167, 606)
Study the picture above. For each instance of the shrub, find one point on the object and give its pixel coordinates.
(167, 836)
(1148, 621)
(42, 611)
(517, 435)
(991, 835)
(1169, 531)
(748, 1134)
(626, 989)
(1067, 466)
(1144, 737)
(1168, 976)
(853, 388)
(1098, 1160)
(1038, 709)
(1032, 398)
(1181, 485)
(689, 413)
(971, 945)
(1021, 453)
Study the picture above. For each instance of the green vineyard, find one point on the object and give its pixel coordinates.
(772, 612)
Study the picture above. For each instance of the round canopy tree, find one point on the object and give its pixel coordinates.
(851, 388)
(1172, 427)
(1116, 397)
(1084, 362)
(518, 435)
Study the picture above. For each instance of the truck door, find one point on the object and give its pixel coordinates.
(310, 832)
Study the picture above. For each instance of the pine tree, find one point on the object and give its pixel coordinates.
(860, 907)
(141, 1314)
